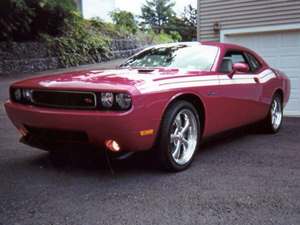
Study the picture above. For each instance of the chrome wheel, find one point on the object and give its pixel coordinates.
(183, 136)
(276, 113)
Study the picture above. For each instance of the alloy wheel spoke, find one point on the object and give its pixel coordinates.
(176, 152)
(178, 121)
(184, 147)
(173, 138)
(273, 120)
(185, 142)
(276, 113)
(186, 125)
(275, 106)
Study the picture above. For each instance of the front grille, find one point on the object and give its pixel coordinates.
(64, 99)
(56, 135)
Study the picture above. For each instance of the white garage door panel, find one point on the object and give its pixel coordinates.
(282, 51)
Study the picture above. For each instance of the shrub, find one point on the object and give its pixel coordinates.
(83, 44)
(149, 36)
(107, 29)
(125, 20)
(24, 20)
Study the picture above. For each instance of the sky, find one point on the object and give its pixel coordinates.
(101, 8)
(134, 6)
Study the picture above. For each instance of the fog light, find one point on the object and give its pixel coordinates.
(112, 145)
(23, 131)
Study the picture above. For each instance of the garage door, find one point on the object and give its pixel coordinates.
(281, 50)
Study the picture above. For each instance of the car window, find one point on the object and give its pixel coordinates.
(236, 57)
(230, 58)
(254, 63)
(191, 57)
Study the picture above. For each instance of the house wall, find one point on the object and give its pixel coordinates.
(234, 14)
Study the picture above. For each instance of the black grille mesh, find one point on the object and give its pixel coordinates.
(64, 99)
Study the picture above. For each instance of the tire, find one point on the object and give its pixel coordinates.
(179, 136)
(273, 122)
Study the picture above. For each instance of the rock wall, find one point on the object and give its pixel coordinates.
(34, 56)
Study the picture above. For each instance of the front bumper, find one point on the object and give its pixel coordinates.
(124, 127)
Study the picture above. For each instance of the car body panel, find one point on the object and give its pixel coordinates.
(227, 102)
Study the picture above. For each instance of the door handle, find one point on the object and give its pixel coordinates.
(256, 80)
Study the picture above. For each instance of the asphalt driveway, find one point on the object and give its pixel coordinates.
(242, 177)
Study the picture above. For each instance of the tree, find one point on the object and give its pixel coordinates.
(186, 25)
(24, 20)
(157, 13)
(125, 20)
(190, 16)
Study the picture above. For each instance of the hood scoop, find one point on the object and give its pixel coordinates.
(159, 69)
(145, 70)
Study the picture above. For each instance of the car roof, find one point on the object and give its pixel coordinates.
(221, 45)
(224, 45)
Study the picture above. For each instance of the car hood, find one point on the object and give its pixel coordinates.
(120, 79)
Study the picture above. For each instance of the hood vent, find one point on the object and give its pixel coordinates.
(145, 70)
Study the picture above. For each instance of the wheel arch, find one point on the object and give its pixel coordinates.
(195, 100)
(279, 91)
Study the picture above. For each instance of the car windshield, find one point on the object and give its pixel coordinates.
(190, 57)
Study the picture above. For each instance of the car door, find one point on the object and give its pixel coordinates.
(240, 92)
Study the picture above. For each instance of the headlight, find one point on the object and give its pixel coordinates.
(22, 95)
(27, 95)
(17, 95)
(107, 99)
(123, 100)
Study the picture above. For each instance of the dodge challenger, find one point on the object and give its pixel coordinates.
(166, 99)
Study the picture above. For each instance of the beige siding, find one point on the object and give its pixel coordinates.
(231, 14)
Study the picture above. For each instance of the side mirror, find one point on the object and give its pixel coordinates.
(239, 67)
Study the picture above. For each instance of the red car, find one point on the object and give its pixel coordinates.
(165, 98)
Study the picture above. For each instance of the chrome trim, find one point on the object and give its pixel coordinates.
(65, 106)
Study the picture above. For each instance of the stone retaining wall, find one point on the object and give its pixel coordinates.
(34, 56)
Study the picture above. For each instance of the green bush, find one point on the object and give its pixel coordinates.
(151, 37)
(24, 20)
(124, 20)
(83, 44)
(107, 29)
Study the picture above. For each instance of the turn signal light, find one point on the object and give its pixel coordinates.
(112, 145)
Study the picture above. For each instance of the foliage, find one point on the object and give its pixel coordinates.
(157, 13)
(190, 15)
(24, 20)
(185, 26)
(73, 39)
(84, 44)
(125, 20)
(149, 36)
(175, 35)
(15, 16)
(162, 38)
(107, 29)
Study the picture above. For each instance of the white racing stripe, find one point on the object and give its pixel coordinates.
(200, 81)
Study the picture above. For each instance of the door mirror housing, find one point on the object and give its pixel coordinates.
(239, 67)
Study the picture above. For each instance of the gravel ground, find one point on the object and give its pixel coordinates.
(241, 177)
